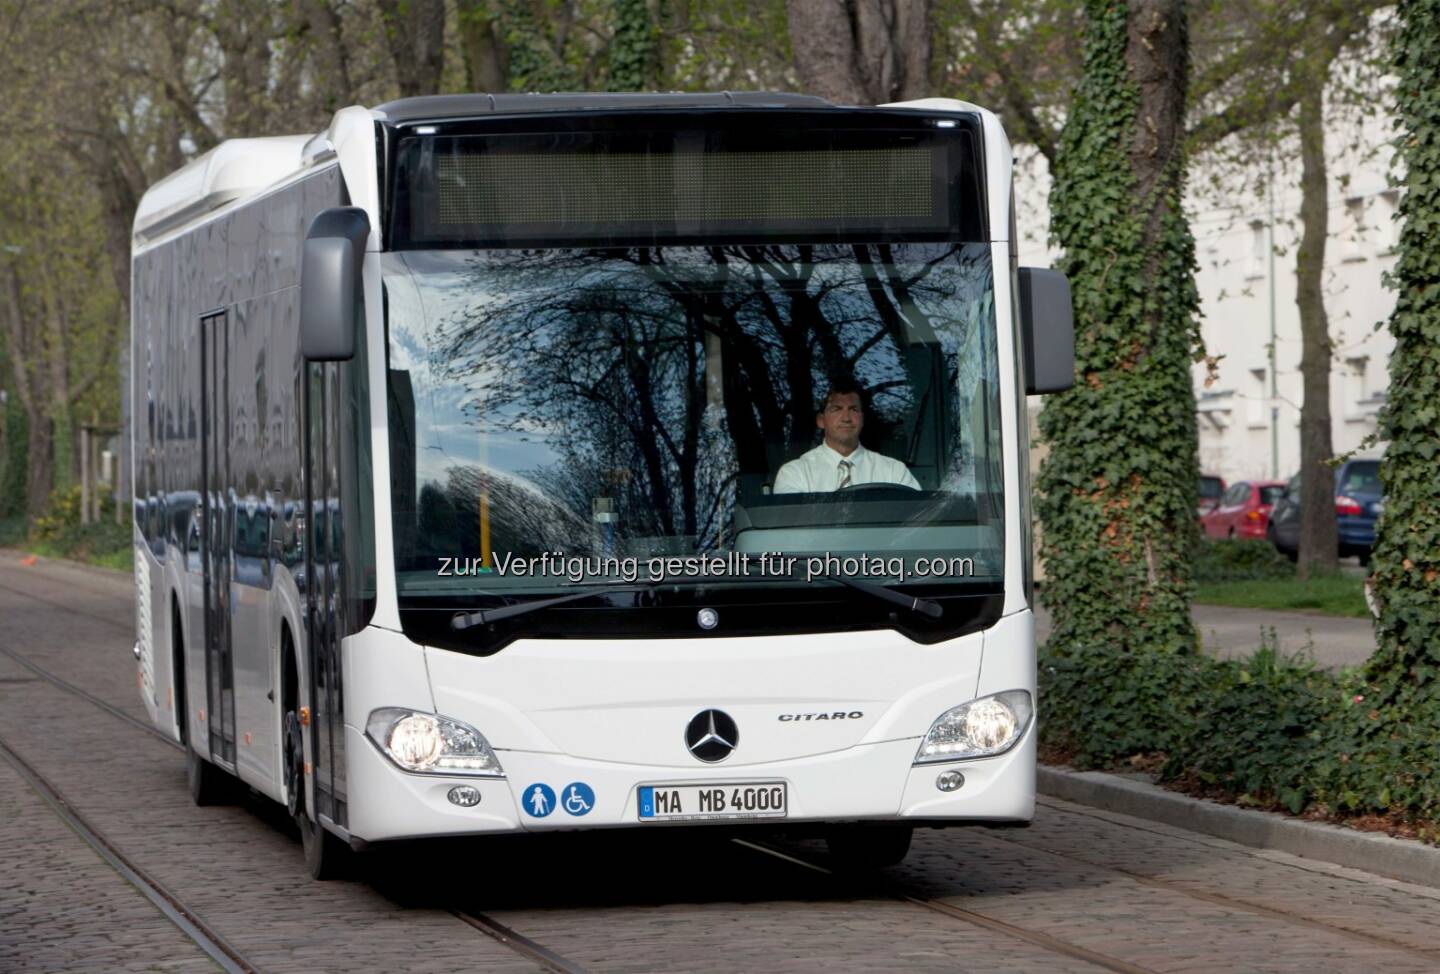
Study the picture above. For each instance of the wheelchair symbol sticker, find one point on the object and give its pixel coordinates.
(538, 800)
(577, 798)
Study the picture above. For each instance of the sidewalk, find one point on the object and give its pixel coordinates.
(1333, 641)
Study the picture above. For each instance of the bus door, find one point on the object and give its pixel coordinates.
(324, 593)
(215, 523)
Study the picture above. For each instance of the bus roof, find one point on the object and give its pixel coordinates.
(233, 169)
(241, 168)
(431, 108)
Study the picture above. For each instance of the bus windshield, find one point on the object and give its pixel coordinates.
(570, 416)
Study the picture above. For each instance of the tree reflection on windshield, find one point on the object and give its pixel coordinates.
(639, 402)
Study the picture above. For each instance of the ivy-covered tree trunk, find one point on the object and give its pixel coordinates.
(1403, 699)
(535, 59)
(635, 50)
(1118, 488)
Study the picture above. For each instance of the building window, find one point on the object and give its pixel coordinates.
(1390, 221)
(1258, 251)
(1352, 240)
(1360, 402)
(1255, 413)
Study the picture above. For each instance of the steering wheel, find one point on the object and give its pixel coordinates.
(874, 485)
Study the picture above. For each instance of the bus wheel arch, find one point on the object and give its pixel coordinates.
(180, 709)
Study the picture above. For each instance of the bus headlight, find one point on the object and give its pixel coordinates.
(430, 744)
(978, 729)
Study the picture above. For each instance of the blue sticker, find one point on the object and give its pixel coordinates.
(538, 800)
(578, 798)
(647, 802)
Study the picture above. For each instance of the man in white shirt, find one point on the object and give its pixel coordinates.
(840, 461)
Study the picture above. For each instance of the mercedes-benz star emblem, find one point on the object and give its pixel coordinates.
(712, 735)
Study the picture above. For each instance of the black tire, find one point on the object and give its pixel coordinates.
(209, 785)
(865, 848)
(293, 765)
(326, 857)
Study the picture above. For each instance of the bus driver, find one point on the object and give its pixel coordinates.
(840, 461)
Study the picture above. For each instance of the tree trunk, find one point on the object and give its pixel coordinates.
(1318, 540)
(487, 60)
(415, 30)
(1157, 56)
(41, 467)
(861, 52)
(1116, 493)
(332, 57)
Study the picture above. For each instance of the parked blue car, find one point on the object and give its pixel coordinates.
(1357, 506)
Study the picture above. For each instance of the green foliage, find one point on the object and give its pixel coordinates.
(635, 51)
(1258, 728)
(1117, 490)
(1268, 730)
(14, 464)
(534, 63)
(1102, 706)
(12, 531)
(61, 513)
(1404, 673)
(1393, 735)
(1239, 560)
(58, 533)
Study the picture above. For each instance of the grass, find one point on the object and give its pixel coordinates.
(1335, 595)
(106, 544)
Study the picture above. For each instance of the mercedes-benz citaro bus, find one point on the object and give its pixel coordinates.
(536, 462)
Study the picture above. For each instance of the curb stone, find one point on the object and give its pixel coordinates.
(1403, 859)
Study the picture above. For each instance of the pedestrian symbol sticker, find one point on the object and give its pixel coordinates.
(578, 798)
(538, 800)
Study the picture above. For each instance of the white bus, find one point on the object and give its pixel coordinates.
(535, 462)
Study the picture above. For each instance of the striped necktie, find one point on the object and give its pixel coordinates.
(845, 468)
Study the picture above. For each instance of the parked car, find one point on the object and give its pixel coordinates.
(1212, 488)
(1357, 506)
(1244, 510)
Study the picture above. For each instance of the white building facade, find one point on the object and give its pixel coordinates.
(1249, 408)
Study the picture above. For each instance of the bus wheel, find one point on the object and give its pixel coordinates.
(325, 855)
(862, 848)
(294, 765)
(209, 785)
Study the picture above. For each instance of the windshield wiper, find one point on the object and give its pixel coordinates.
(885, 593)
(464, 620)
(926, 607)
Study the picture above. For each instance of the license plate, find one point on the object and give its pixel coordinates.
(749, 799)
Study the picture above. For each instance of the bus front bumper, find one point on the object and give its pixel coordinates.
(865, 782)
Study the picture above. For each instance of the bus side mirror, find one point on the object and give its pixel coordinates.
(1047, 327)
(330, 284)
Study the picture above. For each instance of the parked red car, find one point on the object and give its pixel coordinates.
(1244, 509)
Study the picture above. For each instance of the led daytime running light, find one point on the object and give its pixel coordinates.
(980, 728)
(424, 743)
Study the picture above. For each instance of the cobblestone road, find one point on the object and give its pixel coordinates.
(1137, 895)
